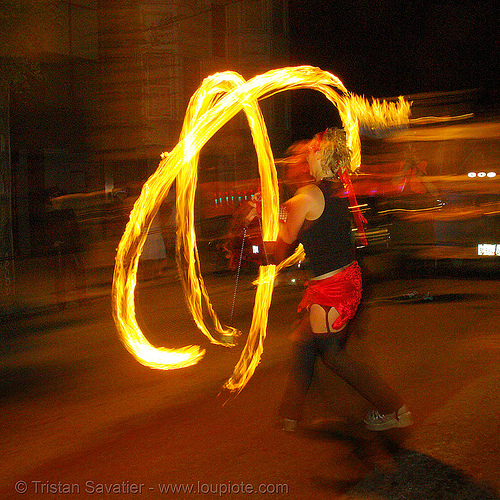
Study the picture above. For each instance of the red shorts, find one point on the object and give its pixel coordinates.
(342, 291)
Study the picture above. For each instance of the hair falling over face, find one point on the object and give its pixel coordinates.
(296, 166)
(335, 155)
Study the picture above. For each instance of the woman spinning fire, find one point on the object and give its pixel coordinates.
(318, 216)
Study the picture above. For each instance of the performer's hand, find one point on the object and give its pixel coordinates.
(257, 200)
(251, 215)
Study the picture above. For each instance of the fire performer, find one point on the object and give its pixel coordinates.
(319, 218)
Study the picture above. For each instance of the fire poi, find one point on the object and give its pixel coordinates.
(219, 98)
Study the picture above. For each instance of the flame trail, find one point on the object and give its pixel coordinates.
(220, 98)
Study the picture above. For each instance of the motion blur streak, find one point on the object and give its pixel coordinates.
(220, 98)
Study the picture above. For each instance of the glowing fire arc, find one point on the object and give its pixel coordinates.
(220, 98)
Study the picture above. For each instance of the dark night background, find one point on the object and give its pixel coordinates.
(386, 49)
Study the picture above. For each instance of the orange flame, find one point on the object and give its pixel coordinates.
(220, 98)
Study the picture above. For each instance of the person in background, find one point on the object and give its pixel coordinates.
(65, 245)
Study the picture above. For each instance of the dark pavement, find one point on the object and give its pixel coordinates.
(83, 419)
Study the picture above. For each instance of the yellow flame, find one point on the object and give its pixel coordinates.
(220, 98)
(377, 115)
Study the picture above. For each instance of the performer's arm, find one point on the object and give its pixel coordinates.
(276, 251)
(308, 204)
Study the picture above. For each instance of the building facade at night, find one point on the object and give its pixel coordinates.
(170, 48)
(116, 78)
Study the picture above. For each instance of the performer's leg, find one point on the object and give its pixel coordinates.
(362, 377)
(300, 377)
(322, 318)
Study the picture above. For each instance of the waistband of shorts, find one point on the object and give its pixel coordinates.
(333, 273)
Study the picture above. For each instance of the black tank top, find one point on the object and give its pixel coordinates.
(328, 241)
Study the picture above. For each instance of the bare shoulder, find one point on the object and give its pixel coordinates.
(306, 204)
(305, 197)
(313, 201)
(311, 191)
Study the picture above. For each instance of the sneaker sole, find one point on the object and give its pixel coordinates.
(404, 420)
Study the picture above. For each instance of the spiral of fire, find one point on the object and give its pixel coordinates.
(219, 98)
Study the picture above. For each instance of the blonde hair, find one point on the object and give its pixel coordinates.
(335, 152)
